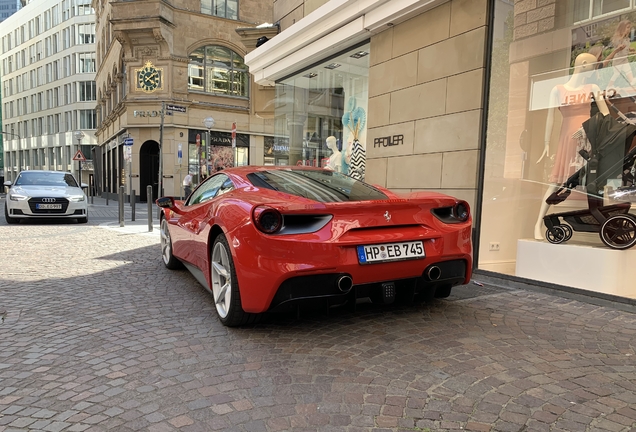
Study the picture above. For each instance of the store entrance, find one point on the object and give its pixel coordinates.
(149, 170)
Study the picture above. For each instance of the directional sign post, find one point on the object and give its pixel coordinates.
(79, 156)
(234, 143)
(128, 143)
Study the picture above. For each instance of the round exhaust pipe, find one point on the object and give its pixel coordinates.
(433, 273)
(344, 283)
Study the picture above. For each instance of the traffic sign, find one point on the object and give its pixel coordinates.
(128, 141)
(79, 156)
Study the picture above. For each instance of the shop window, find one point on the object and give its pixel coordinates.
(320, 115)
(218, 70)
(558, 184)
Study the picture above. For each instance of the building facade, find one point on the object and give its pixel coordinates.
(8, 8)
(174, 95)
(457, 96)
(48, 86)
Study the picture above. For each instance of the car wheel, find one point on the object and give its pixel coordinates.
(169, 259)
(9, 219)
(443, 291)
(225, 289)
(82, 220)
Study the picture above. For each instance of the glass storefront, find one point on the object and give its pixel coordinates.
(557, 174)
(204, 160)
(320, 115)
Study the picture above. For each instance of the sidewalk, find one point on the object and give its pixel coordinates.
(99, 210)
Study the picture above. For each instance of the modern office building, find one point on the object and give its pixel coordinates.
(173, 93)
(8, 8)
(48, 86)
(481, 99)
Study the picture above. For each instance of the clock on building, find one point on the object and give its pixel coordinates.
(149, 78)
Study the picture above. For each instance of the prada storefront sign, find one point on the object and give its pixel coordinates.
(219, 138)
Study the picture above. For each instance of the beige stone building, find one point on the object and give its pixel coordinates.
(472, 98)
(163, 68)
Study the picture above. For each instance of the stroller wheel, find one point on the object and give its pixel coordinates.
(556, 235)
(619, 231)
(568, 232)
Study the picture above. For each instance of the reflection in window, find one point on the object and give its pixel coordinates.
(219, 70)
(588, 9)
(221, 8)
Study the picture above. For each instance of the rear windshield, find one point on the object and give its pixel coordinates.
(45, 179)
(322, 186)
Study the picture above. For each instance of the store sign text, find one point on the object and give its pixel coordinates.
(147, 113)
(388, 141)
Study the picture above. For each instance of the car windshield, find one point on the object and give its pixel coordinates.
(43, 178)
(323, 186)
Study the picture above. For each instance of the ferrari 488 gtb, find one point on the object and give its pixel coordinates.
(270, 238)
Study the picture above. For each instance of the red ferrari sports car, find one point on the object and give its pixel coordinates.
(269, 238)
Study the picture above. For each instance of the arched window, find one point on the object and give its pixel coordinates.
(219, 70)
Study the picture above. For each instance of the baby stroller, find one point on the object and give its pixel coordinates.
(610, 157)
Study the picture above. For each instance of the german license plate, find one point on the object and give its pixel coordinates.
(48, 206)
(390, 252)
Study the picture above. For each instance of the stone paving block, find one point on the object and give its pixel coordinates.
(136, 354)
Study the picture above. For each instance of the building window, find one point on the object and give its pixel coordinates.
(85, 34)
(87, 91)
(221, 8)
(589, 9)
(84, 7)
(219, 70)
(87, 119)
(86, 62)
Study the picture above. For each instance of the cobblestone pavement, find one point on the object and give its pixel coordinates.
(96, 335)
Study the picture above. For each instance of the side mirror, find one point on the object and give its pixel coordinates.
(169, 203)
(165, 202)
(7, 183)
(84, 185)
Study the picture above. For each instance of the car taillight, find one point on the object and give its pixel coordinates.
(268, 220)
(461, 211)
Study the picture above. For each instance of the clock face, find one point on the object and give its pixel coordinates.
(149, 78)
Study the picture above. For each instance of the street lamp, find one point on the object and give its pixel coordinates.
(79, 136)
(13, 134)
(209, 124)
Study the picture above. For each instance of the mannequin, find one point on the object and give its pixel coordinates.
(574, 100)
(335, 160)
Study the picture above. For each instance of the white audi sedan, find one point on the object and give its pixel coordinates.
(45, 194)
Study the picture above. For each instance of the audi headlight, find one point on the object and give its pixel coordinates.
(17, 197)
(78, 198)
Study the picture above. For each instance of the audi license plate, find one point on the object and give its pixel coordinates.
(48, 206)
(390, 252)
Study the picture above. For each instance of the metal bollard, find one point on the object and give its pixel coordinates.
(149, 199)
(121, 206)
(133, 199)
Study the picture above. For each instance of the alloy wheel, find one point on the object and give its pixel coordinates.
(221, 279)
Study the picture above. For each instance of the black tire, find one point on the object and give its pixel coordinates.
(169, 260)
(568, 232)
(224, 282)
(619, 232)
(10, 220)
(82, 220)
(443, 291)
(556, 235)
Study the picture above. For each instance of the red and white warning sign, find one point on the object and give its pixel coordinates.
(79, 156)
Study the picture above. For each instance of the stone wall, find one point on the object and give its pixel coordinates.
(533, 17)
(425, 86)
(287, 12)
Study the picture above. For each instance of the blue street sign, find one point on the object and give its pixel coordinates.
(128, 141)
